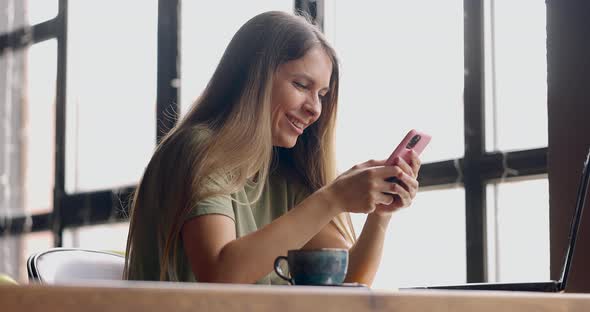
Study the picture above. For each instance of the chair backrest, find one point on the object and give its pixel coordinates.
(66, 265)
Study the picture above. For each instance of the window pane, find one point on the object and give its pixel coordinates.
(18, 13)
(516, 75)
(111, 94)
(12, 145)
(206, 32)
(111, 237)
(10, 257)
(40, 127)
(425, 244)
(401, 68)
(13, 14)
(41, 10)
(518, 217)
(33, 243)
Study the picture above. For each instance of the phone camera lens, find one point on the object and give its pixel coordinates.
(415, 139)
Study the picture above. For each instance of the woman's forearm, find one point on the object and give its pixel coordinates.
(251, 257)
(365, 255)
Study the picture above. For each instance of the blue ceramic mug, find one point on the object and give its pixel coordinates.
(326, 266)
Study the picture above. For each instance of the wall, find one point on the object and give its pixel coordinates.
(568, 60)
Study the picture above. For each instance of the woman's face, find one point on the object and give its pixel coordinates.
(297, 90)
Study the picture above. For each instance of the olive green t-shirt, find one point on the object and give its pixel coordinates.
(278, 196)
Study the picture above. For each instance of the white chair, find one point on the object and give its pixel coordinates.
(67, 265)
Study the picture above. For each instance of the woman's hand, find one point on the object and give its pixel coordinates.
(363, 188)
(404, 189)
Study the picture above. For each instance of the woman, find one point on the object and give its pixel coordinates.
(249, 172)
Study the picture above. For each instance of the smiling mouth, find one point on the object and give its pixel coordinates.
(299, 125)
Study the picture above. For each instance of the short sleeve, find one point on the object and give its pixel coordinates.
(220, 204)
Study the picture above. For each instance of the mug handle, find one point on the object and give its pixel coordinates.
(279, 271)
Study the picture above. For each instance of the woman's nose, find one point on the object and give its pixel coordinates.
(313, 106)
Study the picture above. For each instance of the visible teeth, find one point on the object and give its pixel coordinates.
(296, 123)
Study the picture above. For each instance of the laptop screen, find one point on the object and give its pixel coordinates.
(575, 225)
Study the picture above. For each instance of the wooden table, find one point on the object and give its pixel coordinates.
(176, 297)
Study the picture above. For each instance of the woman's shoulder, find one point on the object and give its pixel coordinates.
(180, 145)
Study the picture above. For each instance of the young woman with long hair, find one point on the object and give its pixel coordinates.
(249, 172)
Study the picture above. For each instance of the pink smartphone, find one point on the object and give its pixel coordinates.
(414, 140)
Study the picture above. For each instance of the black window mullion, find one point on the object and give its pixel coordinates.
(23, 37)
(516, 164)
(22, 224)
(168, 86)
(315, 9)
(473, 97)
(97, 207)
(60, 125)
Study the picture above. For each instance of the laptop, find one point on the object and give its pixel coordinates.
(548, 286)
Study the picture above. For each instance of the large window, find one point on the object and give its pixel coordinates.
(111, 72)
(425, 243)
(202, 48)
(470, 73)
(109, 237)
(40, 127)
(41, 10)
(518, 216)
(516, 119)
(516, 75)
(393, 80)
(385, 71)
(402, 68)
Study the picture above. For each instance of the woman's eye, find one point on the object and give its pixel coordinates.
(299, 85)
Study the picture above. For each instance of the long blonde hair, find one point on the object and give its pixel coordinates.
(227, 133)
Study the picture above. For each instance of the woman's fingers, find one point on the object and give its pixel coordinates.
(410, 183)
(388, 175)
(383, 199)
(415, 163)
(405, 197)
(369, 179)
(384, 172)
(400, 193)
(370, 163)
(400, 162)
(406, 187)
(394, 195)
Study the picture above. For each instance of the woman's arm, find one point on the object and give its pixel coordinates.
(365, 255)
(216, 255)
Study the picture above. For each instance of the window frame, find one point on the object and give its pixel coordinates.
(473, 171)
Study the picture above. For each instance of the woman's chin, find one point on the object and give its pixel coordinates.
(287, 142)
